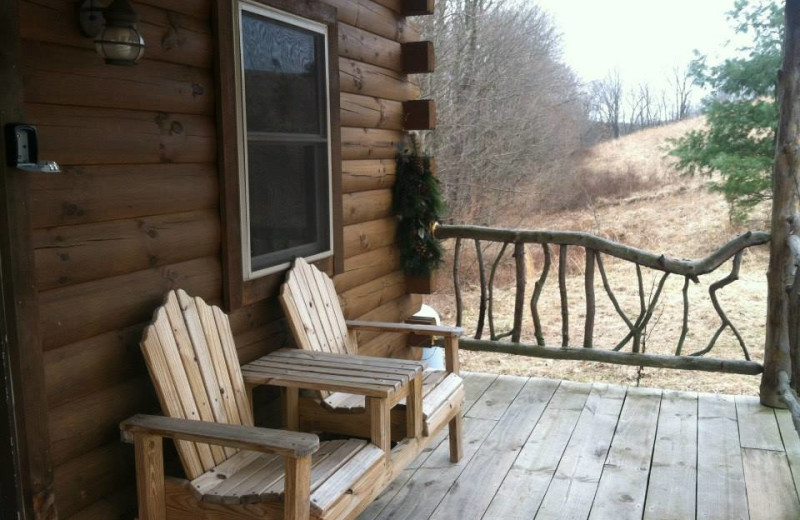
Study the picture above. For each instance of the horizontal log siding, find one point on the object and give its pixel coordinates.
(135, 212)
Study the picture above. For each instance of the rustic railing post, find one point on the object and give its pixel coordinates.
(519, 304)
(484, 292)
(457, 283)
(588, 329)
(562, 290)
(785, 178)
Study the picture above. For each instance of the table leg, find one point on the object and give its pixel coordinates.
(291, 408)
(414, 408)
(380, 424)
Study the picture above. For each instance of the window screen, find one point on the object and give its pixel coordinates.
(286, 199)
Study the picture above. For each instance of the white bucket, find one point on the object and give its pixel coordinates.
(432, 357)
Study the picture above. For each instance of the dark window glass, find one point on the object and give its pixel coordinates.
(287, 142)
(288, 202)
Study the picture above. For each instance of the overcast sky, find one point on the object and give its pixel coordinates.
(643, 39)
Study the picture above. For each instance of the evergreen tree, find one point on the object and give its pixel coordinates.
(742, 113)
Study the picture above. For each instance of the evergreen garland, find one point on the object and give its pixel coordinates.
(418, 204)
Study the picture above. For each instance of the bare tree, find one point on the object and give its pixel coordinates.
(681, 85)
(509, 112)
(607, 95)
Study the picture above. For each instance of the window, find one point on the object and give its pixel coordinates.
(284, 184)
(280, 153)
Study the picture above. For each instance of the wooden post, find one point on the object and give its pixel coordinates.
(21, 345)
(457, 283)
(414, 408)
(297, 489)
(150, 477)
(519, 303)
(291, 410)
(562, 289)
(454, 432)
(785, 177)
(451, 362)
(588, 330)
(380, 424)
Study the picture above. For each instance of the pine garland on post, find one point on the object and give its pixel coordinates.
(418, 205)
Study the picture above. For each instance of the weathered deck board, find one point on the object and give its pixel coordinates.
(476, 384)
(475, 487)
(757, 425)
(559, 450)
(673, 476)
(770, 488)
(428, 486)
(792, 443)
(623, 485)
(493, 403)
(721, 492)
(574, 484)
(525, 484)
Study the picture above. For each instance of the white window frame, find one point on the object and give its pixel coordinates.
(241, 116)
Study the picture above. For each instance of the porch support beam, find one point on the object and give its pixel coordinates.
(21, 347)
(785, 178)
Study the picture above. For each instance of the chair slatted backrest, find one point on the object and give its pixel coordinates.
(191, 356)
(311, 305)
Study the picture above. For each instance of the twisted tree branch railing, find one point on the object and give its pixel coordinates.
(637, 328)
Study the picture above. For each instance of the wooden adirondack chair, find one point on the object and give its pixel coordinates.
(233, 469)
(311, 305)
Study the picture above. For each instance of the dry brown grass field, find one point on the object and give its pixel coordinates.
(665, 213)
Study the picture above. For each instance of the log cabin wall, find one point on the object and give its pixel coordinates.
(136, 212)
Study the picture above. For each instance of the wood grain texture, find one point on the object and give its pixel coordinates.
(81, 311)
(370, 80)
(92, 365)
(297, 504)
(79, 135)
(360, 45)
(174, 34)
(371, 112)
(83, 480)
(366, 206)
(360, 269)
(91, 194)
(150, 477)
(368, 236)
(483, 476)
(721, 491)
(672, 491)
(575, 482)
(758, 428)
(368, 175)
(367, 143)
(771, 491)
(59, 75)
(623, 485)
(287, 444)
(375, 18)
(523, 489)
(71, 255)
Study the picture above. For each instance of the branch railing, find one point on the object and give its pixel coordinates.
(596, 248)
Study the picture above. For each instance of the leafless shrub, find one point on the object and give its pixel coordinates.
(509, 111)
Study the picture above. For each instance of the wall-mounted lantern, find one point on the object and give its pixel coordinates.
(114, 30)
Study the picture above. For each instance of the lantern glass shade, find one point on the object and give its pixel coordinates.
(120, 45)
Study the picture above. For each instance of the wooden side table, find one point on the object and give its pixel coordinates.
(382, 381)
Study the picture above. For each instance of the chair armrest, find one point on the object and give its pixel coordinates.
(279, 442)
(406, 328)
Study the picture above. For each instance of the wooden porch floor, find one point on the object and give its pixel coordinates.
(538, 448)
